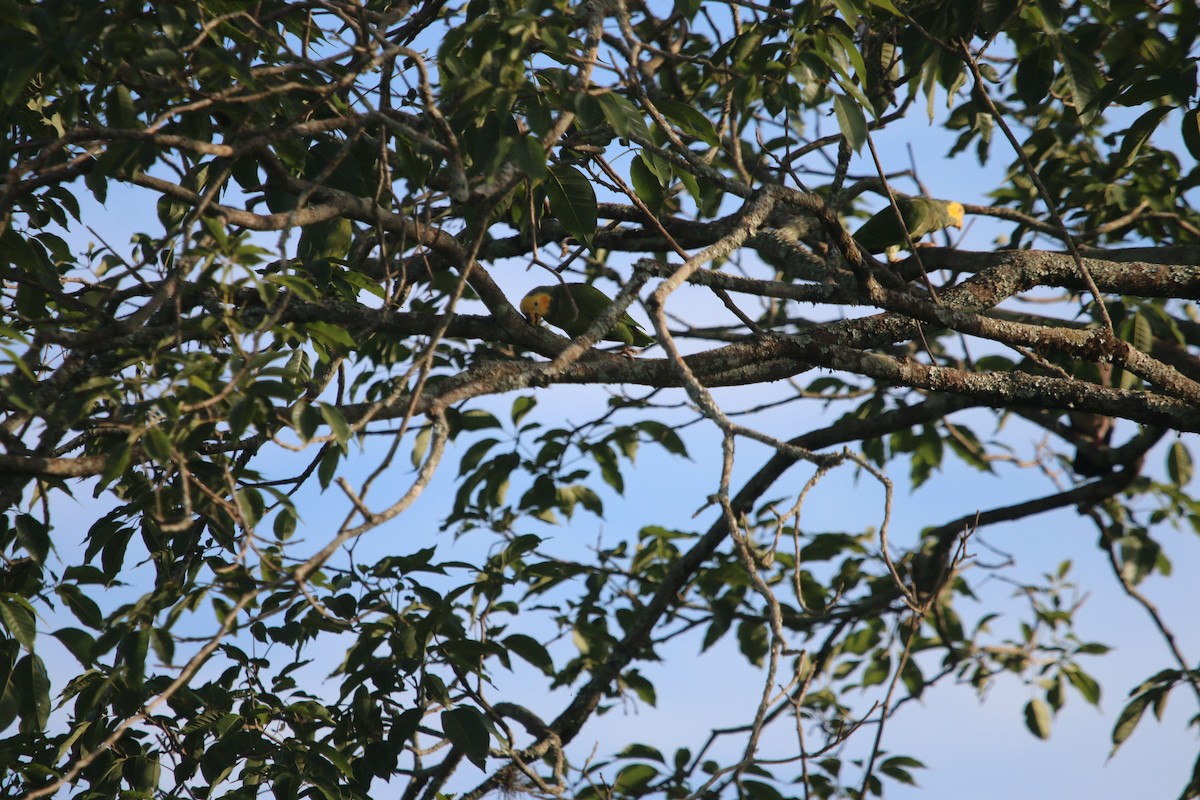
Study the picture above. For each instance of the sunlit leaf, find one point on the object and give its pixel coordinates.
(1038, 718)
(573, 201)
(851, 120)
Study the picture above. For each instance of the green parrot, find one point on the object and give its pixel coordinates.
(574, 307)
(882, 232)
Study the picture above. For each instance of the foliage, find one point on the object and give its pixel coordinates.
(330, 203)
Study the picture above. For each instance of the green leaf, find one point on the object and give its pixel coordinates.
(116, 462)
(633, 778)
(1131, 715)
(337, 423)
(406, 725)
(624, 117)
(887, 5)
(133, 649)
(251, 506)
(576, 494)
(9, 691)
(1083, 78)
(34, 537)
(637, 750)
(646, 184)
(327, 468)
(157, 444)
(163, 643)
(333, 336)
(898, 769)
(912, 677)
(663, 435)
(119, 108)
(689, 119)
(531, 650)
(752, 640)
(1137, 135)
(758, 790)
(467, 730)
(335, 757)
(530, 156)
(79, 643)
(573, 201)
(643, 688)
(305, 421)
(1085, 684)
(722, 619)
(522, 406)
(475, 454)
(33, 685)
(1038, 718)
(861, 641)
(610, 470)
(1143, 92)
(1192, 790)
(1191, 132)
(1179, 464)
(878, 669)
(1140, 556)
(474, 420)
(851, 120)
(83, 607)
(97, 182)
(18, 618)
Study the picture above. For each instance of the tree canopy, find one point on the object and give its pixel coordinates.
(217, 434)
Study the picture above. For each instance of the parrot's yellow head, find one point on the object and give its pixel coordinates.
(956, 211)
(535, 306)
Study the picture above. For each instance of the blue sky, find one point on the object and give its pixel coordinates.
(982, 747)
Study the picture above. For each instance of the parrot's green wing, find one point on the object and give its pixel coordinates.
(330, 240)
(576, 313)
(921, 215)
(626, 329)
(629, 332)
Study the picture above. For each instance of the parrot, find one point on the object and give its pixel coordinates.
(882, 232)
(553, 304)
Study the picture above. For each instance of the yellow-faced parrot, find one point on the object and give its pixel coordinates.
(575, 306)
